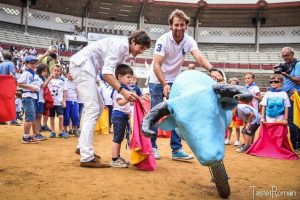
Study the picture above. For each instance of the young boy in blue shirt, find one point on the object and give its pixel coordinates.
(31, 84)
(120, 115)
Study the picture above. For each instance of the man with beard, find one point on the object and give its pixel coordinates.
(169, 53)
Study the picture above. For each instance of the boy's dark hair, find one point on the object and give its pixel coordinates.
(19, 94)
(40, 68)
(278, 77)
(123, 69)
(7, 55)
(140, 37)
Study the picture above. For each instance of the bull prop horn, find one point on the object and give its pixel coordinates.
(152, 117)
(233, 91)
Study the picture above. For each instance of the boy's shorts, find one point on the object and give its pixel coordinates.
(236, 124)
(41, 107)
(56, 109)
(252, 129)
(30, 107)
(120, 125)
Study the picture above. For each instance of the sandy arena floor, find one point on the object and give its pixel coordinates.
(50, 170)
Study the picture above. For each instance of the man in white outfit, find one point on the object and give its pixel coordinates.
(101, 56)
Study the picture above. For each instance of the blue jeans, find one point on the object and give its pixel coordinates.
(156, 93)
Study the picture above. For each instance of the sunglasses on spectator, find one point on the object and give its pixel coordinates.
(285, 55)
(32, 62)
(274, 81)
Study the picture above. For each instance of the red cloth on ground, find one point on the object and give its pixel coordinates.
(273, 142)
(7, 98)
(139, 142)
(163, 133)
(48, 101)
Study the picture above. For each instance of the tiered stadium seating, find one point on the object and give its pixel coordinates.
(240, 55)
(13, 37)
(56, 35)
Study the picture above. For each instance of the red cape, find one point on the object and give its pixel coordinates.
(7, 98)
(273, 142)
(139, 144)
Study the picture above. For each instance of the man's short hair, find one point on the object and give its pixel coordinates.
(7, 55)
(289, 49)
(140, 37)
(123, 69)
(180, 14)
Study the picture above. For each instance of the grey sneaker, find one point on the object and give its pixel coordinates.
(77, 133)
(29, 140)
(39, 137)
(119, 163)
(124, 160)
(181, 155)
(45, 128)
(156, 154)
(243, 149)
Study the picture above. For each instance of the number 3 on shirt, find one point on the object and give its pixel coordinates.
(158, 47)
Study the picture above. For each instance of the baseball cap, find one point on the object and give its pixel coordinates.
(30, 58)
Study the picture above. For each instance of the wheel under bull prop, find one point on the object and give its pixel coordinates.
(200, 110)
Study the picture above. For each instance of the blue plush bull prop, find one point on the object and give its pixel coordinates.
(200, 110)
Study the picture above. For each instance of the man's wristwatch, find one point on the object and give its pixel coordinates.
(120, 88)
(213, 69)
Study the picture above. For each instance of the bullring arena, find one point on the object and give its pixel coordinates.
(50, 171)
(235, 37)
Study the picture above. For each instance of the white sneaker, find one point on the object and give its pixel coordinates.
(119, 163)
(156, 154)
(227, 142)
(124, 160)
(237, 143)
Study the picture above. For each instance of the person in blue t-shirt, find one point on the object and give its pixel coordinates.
(134, 87)
(7, 67)
(291, 84)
